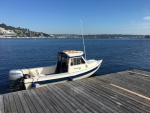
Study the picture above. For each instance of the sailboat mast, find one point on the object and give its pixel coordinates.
(83, 39)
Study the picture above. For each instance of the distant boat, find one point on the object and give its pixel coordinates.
(71, 65)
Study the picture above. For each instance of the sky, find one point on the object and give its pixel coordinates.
(63, 16)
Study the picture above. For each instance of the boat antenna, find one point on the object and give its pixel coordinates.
(83, 39)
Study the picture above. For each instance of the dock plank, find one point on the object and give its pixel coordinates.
(84, 101)
(29, 102)
(91, 100)
(34, 101)
(105, 98)
(94, 98)
(23, 102)
(48, 97)
(73, 98)
(130, 86)
(120, 92)
(56, 100)
(74, 107)
(12, 103)
(39, 100)
(138, 103)
(62, 99)
(131, 81)
(18, 103)
(6, 104)
(1, 104)
(106, 92)
(44, 99)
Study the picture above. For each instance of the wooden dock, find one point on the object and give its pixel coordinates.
(127, 92)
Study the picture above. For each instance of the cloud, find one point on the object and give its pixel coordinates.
(146, 18)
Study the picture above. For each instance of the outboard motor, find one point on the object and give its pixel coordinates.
(16, 80)
(15, 74)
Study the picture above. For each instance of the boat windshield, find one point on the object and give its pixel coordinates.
(77, 61)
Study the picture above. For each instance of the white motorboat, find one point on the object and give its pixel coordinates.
(71, 65)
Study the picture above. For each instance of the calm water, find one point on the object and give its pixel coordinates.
(117, 54)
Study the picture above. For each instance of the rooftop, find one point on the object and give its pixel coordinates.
(73, 53)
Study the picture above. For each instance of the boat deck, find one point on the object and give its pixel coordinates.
(126, 91)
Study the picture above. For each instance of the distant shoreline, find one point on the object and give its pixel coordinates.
(118, 36)
(69, 38)
(18, 32)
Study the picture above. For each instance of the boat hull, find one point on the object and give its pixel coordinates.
(57, 78)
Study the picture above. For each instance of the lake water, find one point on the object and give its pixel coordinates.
(117, 54)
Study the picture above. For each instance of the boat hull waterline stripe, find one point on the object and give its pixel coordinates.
(65, 78)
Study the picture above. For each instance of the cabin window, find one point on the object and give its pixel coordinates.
(77, 61)
(64, 58)
(72, 62)
(59, 57)
(82, 61)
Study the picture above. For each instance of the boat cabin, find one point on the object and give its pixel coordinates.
(68, 59)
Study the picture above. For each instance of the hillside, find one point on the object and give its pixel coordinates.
(24, 32)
